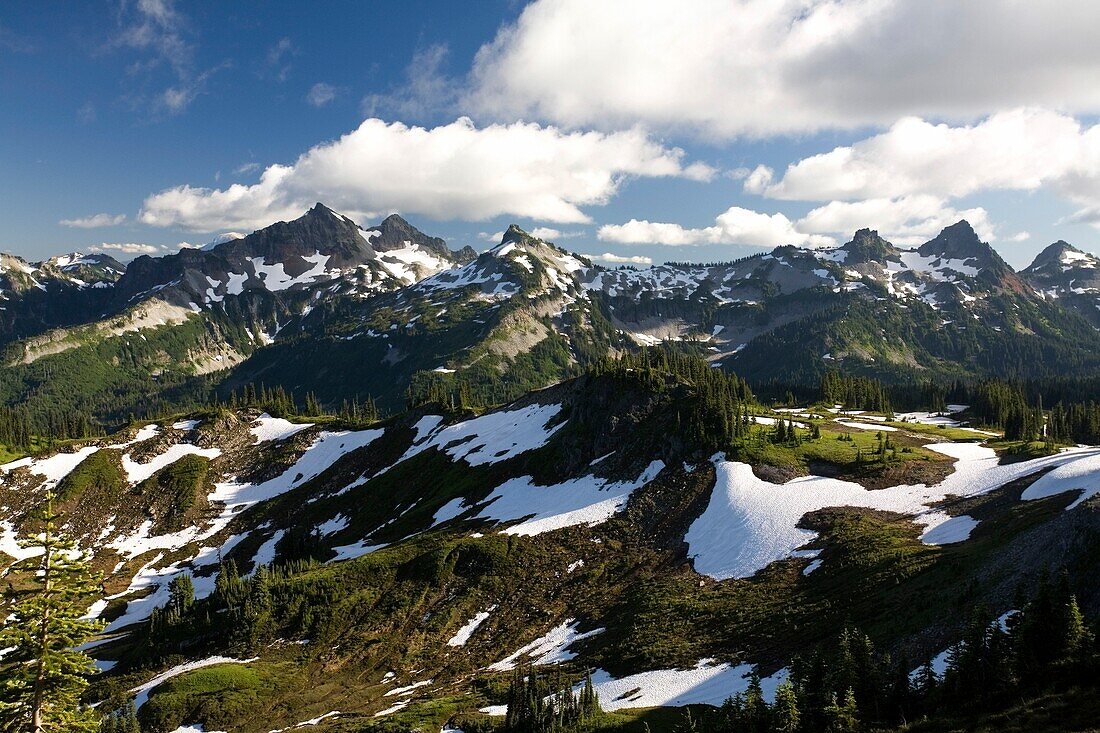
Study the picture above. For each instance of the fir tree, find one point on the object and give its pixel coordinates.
(44, 674)
(785, 715)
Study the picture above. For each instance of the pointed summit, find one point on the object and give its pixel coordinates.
(516, 236)
(396, 233)
(958, 242)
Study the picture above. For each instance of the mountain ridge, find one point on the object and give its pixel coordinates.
(325, 291)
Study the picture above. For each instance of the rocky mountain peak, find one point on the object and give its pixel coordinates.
(867, 246)
(515, 235)
(396, 233)
(1058, 256)
(959, 242)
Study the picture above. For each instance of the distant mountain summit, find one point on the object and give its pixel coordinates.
(1072, 277)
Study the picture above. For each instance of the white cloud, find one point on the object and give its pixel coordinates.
(165, 79)
(547, 234)
(735, 226)
(1018, 237)
(759, 67)
(426, 89)
(126, 248)
(906, 221)
(758, 179)
(1021, 149)
(94, 221)
(321, 94)
(278, 63)
(615, 259)
(454, 171)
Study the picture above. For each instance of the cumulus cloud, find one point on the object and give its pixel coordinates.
(759, 67)
(321, 94)
(614, 259)
(735, 226)
(1021, 149)
(454, 171)
(94, 221)
(758, 179)
(125, 248)
(907, 220)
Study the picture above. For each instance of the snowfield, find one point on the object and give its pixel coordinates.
(1081, 475)
(550, 648)
(326, 449)
(750, 523)
(267, 428)
(491, 438)
(708, 683)
(586, 500)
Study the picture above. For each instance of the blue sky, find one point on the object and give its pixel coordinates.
(700, 130)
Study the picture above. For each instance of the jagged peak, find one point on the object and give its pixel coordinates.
(958, 242)
(867, 245)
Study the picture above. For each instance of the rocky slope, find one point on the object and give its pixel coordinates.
(398, 571)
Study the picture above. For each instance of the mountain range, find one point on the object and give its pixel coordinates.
(322, 305)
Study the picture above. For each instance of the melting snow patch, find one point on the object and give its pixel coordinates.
(1081, 475)
(311, 721)
(707, 683)
(350, 552)
(463, 634)
(407, 689)
(265, 555)
(392, 708)
(142, 691)
(866, 426)
(266, 428)
(547, 649)
(490, 438)
(54, 468)
(326, 449)
(955, 529)
(586, 500)
(138, 472)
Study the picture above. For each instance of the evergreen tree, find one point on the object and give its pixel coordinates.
(843, 715)
(44, 674)
(785, 715)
